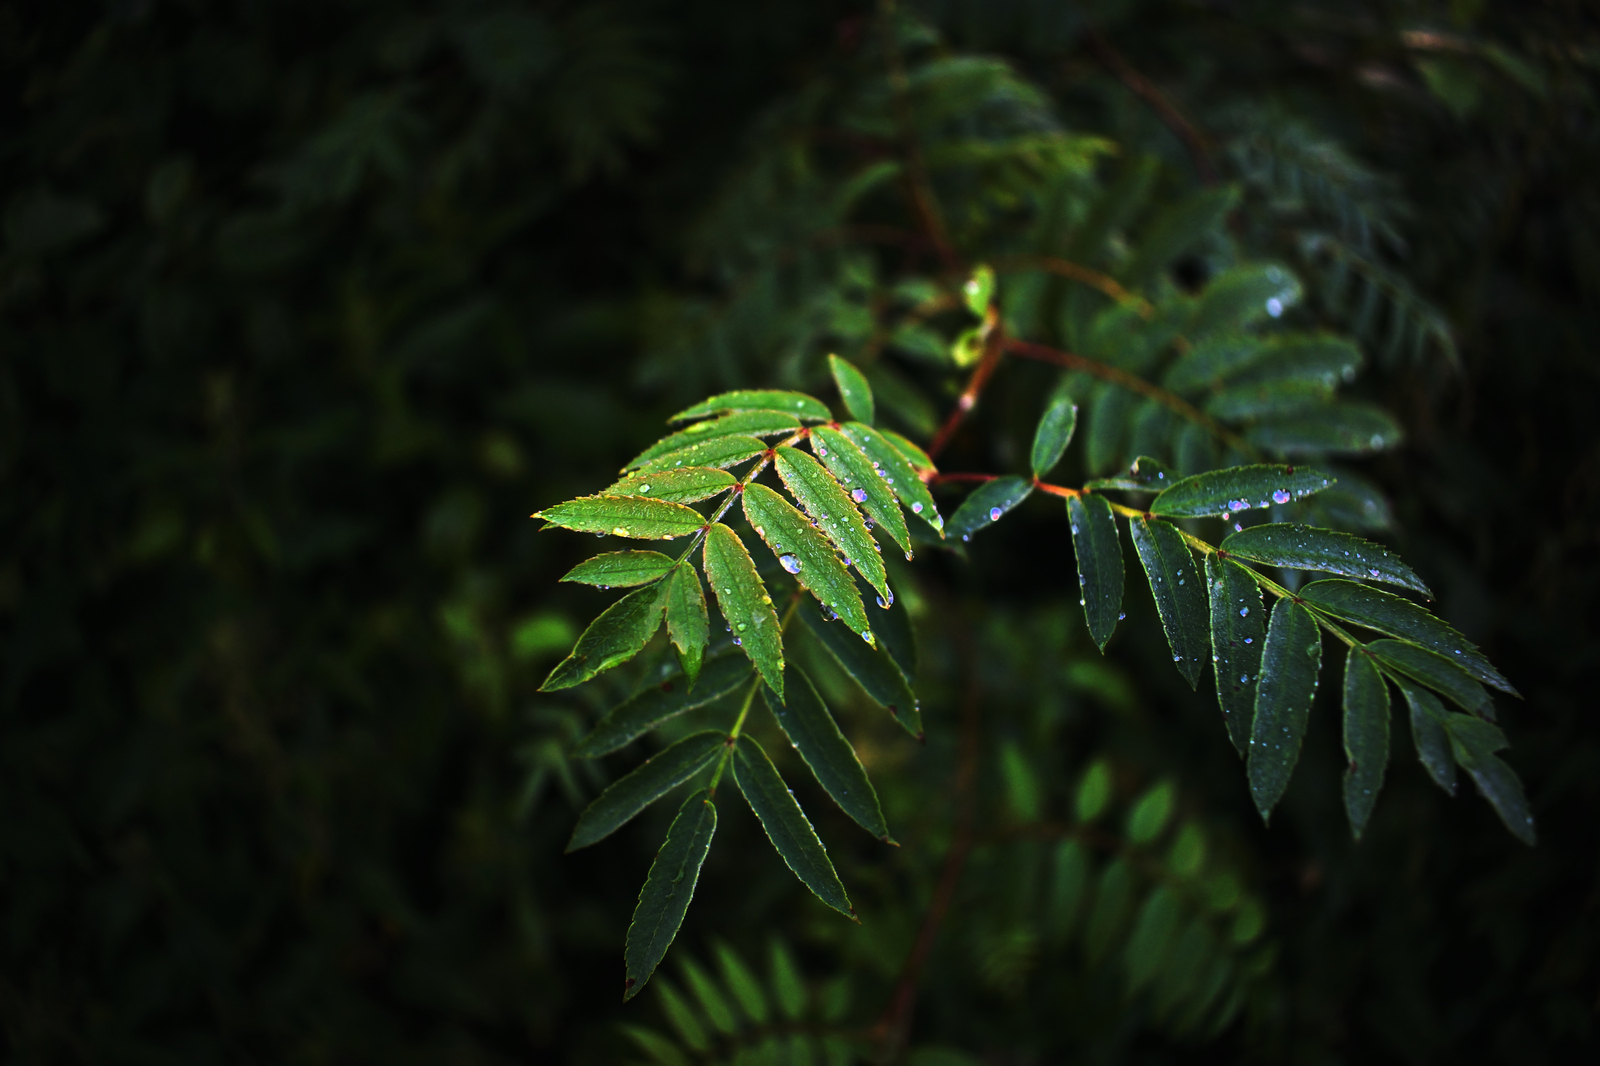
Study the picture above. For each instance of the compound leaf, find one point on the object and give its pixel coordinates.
(1427, 732)
(1098, 548)
(625, 797)
(687, 624)
(806, 554)
(834, 512)
(688, 485)
(853, 390)
(1238, 633)
(1366, 737)
(1238, 488)
(750, 423)
(667, 890)
(872, 669)
(850, 465)
(744, 602)
(620, 569)
(634, 517)
(1433, 670)
(1180, 600)
(986, 505)
(898, 472)
(1297, 547)
(803, 407)
(657, 703)
(805, 720)
(786, 825)
(1054, 433)
(614, 637)
(1290, 663)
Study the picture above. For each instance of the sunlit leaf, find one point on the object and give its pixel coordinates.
(620, 569)
(1433, 670)
(853, 390)
(632, 517)
(747, 423)
(1097, 546)
(744, 603)
(687, 624)
(1427, 733)
(668, 889)
(806, 554)
(872, 668)
(805, 720)
(716, 453)
(1289, 667)
(1296, 547)
(1237, 489)
(625, 797)
(659, 702)
(897, 472)
(850, 465)
(1238, 633)
(1366, 737)
(614, 637)
(688, 485)
(834, 512)
(786, 825)
(1054, 432)
(986, 504)
(1179, 592)
(803, 407)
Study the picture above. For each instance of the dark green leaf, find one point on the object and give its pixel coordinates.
(1094, 792)
(632, 517)
(855, 472)
(1427, 732)
(1366, 737)
(1289, 667)
(986, 504)
(688, 485)
(1241, 402)
(1239, 298)
(1113, 901)
(1296, 547)
(615, 637)
(712, 1002)
(1179, 594)
(892, 626)
(625, 797)
(1388, 613)
(853, 390)
(1144, 474)
(657, 703)
(1150, 814)
(897, 471)
(1214, 360)
(1237, 489)
(1098, 548)
(686, 618)
(682, 1016)
(1109, 414)
(806, 554)
(715, 453)
(803, 407)
(668, 889)
(913, 454)
(834, 512)
(786, 825)
(1176, 229)
(1435, 671)
(1323, 360)
(787, 986)
(805, 720)
(1054, 433)
(744, 602)
(661, 1050)
(1238, 632)
(872, 669)
(1474, 742)
(743, 984)
(620, 569)
(749, 423)
(1069, 882)
(1349, 427)
(1152, 938)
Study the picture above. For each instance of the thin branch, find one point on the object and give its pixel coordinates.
(1077, 272)
(994, 346)
(1146, 90)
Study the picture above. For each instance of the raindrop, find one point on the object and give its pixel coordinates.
(859, 495)
(1280, 496)
(1121, 615)
(790, 563)
(738, 642)
(1074, 529)
(1243, 611)
(1377, 440)
(1244, 679)
(743, 627)
(966, 536)
(1237, 528)
(994, 514)
(848, 561)
(644, 488)
(885, 603)
(822, 452)
(916, 508)
(867, 637)
(1249, 640)
(1374, 573)
(1177, 658)
(1274, 307)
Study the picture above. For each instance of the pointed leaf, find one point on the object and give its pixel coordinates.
(1069, 884)
(687, 624)
(913, 454)
(1144, 474)
(1366, 737)
(1289, 667)
(1296, 547)
(1238, 633)
(1398, 617)
(1098, 548)
(744, 602)
(803, 407)
(1427, 733)
(1311, 358)
(750, 423)
(1474, 742)
(897, 472)
(1112, 904)
(787, 826)
(657, 703)
(855, 472)
(682, 1016)
(1241, 297)
(892, 626)
(688, 485)
(1108, 417)
(1214, 360)
(625, 797)
(615, 637)
(712, 1002)
(1054, 433)
(1239, 403)
(1094, 792)
(806, 554)
(1238, 488)
(716, 453)
(1435, 671)
(661, 1050)
(1152, 938)
(805, 720)
(853, 390)
(979, 289)
(1178, 228)
(1179, 594)
(1348, 426)
(787, 986)
(743, 984)
(834, 512)
(871, 668)
(986, 505)
(667, 890)
(1150, 814)
(620, 569)
(624, 516)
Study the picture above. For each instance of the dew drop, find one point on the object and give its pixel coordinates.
(1121, 615)
(1249, 640)
(867, 637)
(994, 514)
(1274, 306)
(738, 642)
(790, 563)
(822, 452)
(966, 537)
(743, 627)
(1280, 496)
(1243, 611)
(1374, 573)
(916, 508)
(885, 603)
(1244, 679)
(859, 495)
(644, 488)
(1074, 529)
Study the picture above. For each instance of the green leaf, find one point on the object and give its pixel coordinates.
(1296, 547)
(622, 801)
(1150, 814)
(620, 569)
(1055, 430)
(715, 453)
(834, 512)
(855, 472)
(1238, 633)
(853, 390)
(1435, 671)
(668, 889)
(787, 986)
(657, 703)
(913, 454)
(1113, 901)
(682, 1016)
(686, 619)
(1474, 742)
(803, 407)
(1152, 938)
(1427, 733)
(624, 516)
(689, 485)
(1094, 792)
(749, 423)
(1144, 474)
(744, 602)
(806, 554)
(872, 669)
(805, 720)
(1349, 427)
(743, 984)
(979, 290)
(787, 826)
(1098, 548)
(1188, 853)
(1069, 883)
(660, 1048)
(1399, 617)
(615, 637)
(986, 505)
(1238, 488)
(1320, 359)
(1180, 597)
(1213, 361)
(1289, 667)
(1366, 737)
(1239, 298)
(712, 1001)
(892, 626)
(898, 472)
(1109, 413)
(1176, 229)
(1243, 402)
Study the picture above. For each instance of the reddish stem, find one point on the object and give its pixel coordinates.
(994, 347)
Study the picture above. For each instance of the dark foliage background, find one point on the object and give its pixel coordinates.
(307, 305)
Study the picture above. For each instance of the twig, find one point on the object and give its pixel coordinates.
(1077, 272)
(1169, 115)
(994, 346)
